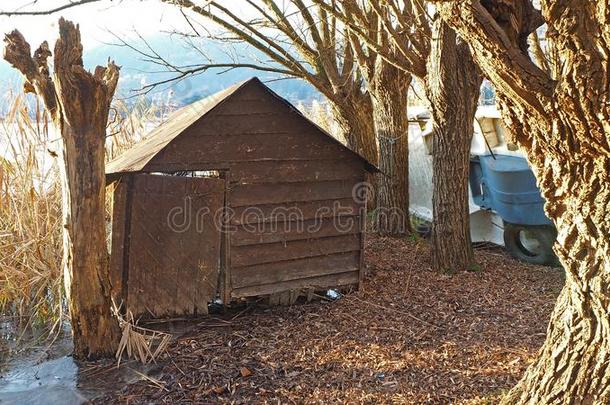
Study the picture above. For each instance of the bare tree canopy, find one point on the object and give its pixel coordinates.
(406, 39)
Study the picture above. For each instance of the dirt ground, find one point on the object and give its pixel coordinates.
(410, 335)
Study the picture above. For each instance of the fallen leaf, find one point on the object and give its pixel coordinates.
(245, 372)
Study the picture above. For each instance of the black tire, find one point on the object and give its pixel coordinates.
(531, 243)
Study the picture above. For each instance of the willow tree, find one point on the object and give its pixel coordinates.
(563, 124)
(78, 103)
(388, 88)
(295, 40)
(452, 85)
(409, 40)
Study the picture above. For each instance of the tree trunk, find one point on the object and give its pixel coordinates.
(574, 363)
(353, 114)
(86, 279)
(389, 90)
(79, 103)
(452, 86)
(563, 124)
(355, 121)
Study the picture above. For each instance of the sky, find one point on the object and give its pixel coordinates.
(101, 20)
(96, 20)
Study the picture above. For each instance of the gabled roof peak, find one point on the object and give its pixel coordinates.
(139, 155)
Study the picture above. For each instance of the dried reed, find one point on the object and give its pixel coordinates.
(31, 288)
(138, 342)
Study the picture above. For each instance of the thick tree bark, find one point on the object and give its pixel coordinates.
(452, 86)
(574, 363)
(79, 103)
(564, 126)
(353, 113)
(389, 89)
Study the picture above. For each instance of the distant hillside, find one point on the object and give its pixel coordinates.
(137, 72)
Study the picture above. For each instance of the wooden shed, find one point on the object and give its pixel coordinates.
(236, 195)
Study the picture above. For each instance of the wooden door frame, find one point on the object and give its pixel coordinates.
(225, 244)
(121, 224)
(129, 191)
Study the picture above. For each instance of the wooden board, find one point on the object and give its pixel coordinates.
(119, 235)
(363, 217)
(288, 171)
(302, 210)
(174, 246)
(316, 283)
(274, 252)
(283, 231)
(268, 273)
(259, 194)
(253, 142)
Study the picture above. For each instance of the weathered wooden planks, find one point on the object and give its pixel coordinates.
(280, 170)
(274, 252)
(254, 125)
(308, 267)
(120, 232)
(259, 194)
(288, 171)
(174, 246)
(240, 145)
(300, 210)
(316, 283)
(283, 231)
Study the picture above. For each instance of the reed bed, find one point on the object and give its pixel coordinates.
(30, 217)
(31, 287)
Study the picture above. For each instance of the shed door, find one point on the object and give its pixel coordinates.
(174, 249)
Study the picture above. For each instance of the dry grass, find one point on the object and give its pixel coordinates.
(137, 342)
(30, 217)
(31, 287)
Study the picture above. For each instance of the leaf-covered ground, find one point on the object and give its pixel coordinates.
(410, 335)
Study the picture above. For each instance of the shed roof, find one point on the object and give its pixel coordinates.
(138, 156)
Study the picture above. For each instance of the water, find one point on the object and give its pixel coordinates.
(45, 373)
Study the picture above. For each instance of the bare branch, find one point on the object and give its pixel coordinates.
(512, 70)
(286, 27)
(34, 69)
(48, 11)
(359, 27)
(248, 33)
